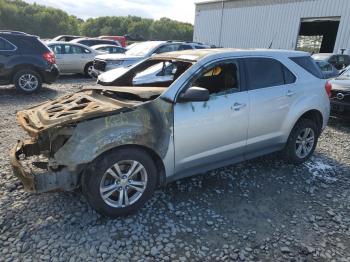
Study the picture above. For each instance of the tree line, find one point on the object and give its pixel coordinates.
(48, 22)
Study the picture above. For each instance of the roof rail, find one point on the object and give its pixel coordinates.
(13, 32)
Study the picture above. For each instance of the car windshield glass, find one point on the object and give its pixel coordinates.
(142, 49)
(346, 72)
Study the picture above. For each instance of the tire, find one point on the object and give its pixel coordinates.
(27, 81)
(299, 148)
(87, 70)
(98, 177)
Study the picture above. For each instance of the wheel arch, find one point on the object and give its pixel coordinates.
(313, 115)
(20, 67)
(161, 178)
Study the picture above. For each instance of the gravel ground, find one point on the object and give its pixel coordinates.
(259, 210)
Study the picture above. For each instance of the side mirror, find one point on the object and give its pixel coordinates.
(194, 94)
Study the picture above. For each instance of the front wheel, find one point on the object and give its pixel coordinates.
(302, 141)
(120, 182)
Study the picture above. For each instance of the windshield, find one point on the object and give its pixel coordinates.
(142, 49)
(346, 72)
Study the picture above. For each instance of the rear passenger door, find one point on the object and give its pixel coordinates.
(269, 86)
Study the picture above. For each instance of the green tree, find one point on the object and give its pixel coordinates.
(49, 22)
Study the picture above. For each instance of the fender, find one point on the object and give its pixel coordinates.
(149, 125)
(304, 104)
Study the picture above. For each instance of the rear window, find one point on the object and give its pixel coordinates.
(308, 64)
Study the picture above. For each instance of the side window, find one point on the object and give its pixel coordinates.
(220, 79)
(289, 77)
(57, 49)
(185, 47)
(6, 46)
(264, 72)
(72, 49)
(167, 48)
(308, 64)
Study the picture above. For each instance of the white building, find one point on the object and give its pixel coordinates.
(312, 25)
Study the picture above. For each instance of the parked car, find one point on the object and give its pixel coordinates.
(110, 49)
(74, 58)
(119, 142)
(120, 39)
(65, 38)
(328, 70)
(95, 41)
(25, 61)
(338, 61)
(340, 99)
(138, 52)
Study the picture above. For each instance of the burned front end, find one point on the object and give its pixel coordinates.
(69, 133)
(50, 125)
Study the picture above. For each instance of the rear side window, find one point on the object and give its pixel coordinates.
(267, 72)
(308, 64)
(6, 46)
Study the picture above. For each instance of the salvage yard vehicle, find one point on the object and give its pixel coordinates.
(339, 61)
(74, 58)
(119, 142)
(328, 70)
(340, 99)
(141, 51)
(110, 49)
(94, 41)
(25, 61)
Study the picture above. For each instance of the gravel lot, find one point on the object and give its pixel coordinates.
(259, 210)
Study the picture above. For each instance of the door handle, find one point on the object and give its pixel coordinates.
(238, 106)
(290, 93)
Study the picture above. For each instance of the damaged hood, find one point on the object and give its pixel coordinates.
(89, 103)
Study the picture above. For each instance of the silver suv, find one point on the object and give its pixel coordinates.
(120, 141)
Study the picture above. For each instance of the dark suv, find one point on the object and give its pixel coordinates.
(25, 61)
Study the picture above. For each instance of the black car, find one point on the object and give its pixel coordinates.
(25, 61)
(339, 61)
(95, 41)
(340, 98)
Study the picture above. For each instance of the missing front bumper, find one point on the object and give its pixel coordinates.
(40, 181)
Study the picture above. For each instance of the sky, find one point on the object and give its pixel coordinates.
(181, 10)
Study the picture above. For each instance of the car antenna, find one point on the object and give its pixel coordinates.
(273, 39)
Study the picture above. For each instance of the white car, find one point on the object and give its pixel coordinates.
(74, 58)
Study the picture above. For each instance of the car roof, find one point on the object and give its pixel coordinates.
(198, 54)
(66, 43)
(105, 45)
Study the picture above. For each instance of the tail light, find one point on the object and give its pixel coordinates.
(49, 57)
(328, 88)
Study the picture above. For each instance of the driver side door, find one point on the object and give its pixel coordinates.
(211, 134)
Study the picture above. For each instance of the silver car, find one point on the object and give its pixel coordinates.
(119, 142)
(74, 58)
(141, 51)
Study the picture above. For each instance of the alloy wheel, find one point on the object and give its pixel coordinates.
(123, 184)
(305, 142)
(28, 82)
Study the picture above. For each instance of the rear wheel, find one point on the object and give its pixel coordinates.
(302, 141)
(27, 81)
(88, 70)
(120, 182)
